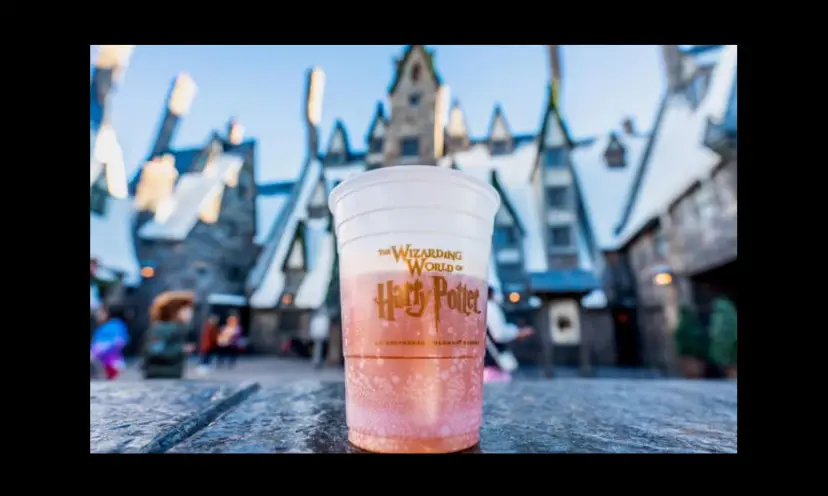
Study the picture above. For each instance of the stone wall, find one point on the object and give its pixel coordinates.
(214, 258)
(412, 120)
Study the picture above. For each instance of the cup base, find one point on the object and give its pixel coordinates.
(379, 444)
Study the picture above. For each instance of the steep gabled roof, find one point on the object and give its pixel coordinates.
(266, 281)
(498, 119)
(339, 138)
(676, 155)
(506, 202)
(179, 214)
(604, 190)
(551, 120)
(456, 125)
(400, 64)
(379, 119)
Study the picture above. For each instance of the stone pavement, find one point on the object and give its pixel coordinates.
(308, 416)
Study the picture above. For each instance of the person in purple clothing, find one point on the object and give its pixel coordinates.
(109, 341)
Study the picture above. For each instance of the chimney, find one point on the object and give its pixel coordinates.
(182, 94)
(629, 128)
(672, 66)
(235, 132)
(110, 63)
(314, 96)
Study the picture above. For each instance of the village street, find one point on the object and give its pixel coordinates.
(265, 370)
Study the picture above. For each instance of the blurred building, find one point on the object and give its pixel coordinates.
(597, 241)
(676, 234)
(195, 226)
(110, 209)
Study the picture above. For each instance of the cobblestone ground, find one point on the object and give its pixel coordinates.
(265, 370)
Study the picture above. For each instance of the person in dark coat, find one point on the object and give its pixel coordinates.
(169, 338)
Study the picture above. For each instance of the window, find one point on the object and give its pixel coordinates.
(554, 158)
(615, 158)
(415, 73)
(504, 236)
(556, 197)
(375, 146)
(660, 245)
(97, 199)
(413, 99)
(235, 274)
(335, 158)
(500, 147)
(410, 147)
(560, 236)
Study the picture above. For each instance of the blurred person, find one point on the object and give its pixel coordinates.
(296, 347)
(320, 328)
(499, 362)
(94, 295)
(169, 339)
(228, 341)
(208, 343)
(109, 341)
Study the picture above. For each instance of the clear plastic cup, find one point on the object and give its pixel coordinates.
(414, 247)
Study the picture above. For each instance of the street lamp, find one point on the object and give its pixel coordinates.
(662, 275)
(514, 297)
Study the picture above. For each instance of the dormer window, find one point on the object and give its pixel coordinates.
(413, 99)
(335, 158)
(615, 153)
(615, 158)
(500, 147)
(375, 146)
(553, 158)
(415, 73)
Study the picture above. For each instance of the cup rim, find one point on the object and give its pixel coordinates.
(403, 173)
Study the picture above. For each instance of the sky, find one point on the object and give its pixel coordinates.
(263, 87)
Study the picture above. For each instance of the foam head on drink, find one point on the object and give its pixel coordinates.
(414, 245)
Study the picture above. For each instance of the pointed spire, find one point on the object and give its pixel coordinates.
(235, 131)
(377, 127)
(499, 128)
(457, 121)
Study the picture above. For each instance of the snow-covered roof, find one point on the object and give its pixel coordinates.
(514, 167)
(268, 208)
(178, 214)
(335, 175)
(321, 252)
(513, 172)
(269, 289)
(110, 239)
(678, 157)
(605, 189)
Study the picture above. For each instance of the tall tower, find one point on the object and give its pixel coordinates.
(415, 128)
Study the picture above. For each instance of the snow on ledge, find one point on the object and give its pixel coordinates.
(314, 288)
(594, 300)
(227, 299)
(269, 290)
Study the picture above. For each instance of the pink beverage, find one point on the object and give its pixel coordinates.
(414, 247)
